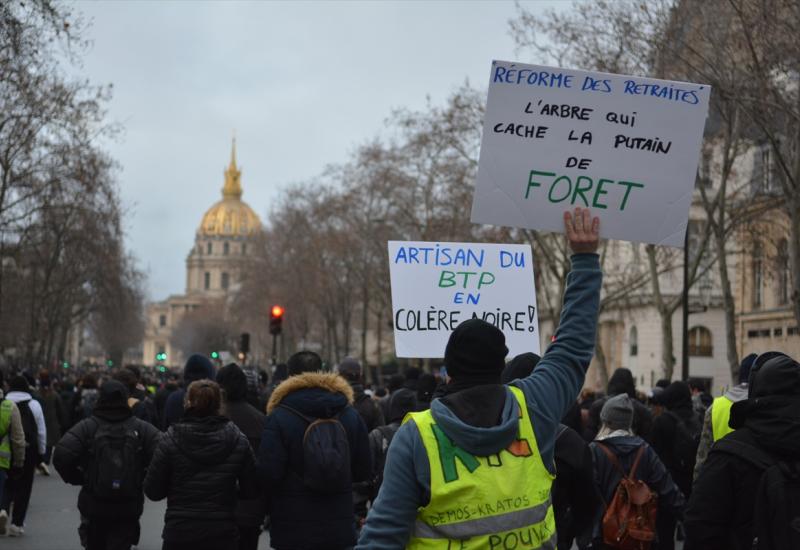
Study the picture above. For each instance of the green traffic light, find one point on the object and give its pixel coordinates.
(214, 355)
(110, 363)
(65, 364)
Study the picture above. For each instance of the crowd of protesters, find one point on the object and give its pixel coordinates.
(487, 452)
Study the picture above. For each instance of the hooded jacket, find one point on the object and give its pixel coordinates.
(720, 512)
(201, 466)
(735, 394)
(484, 419)
(73, 456)
(301, 518)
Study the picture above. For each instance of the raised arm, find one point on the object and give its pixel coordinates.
(556, 381)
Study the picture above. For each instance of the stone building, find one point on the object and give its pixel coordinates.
(213, 266)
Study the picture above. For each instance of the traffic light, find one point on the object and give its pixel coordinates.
(162, 368)
(161, 356)
(65, 364)
(214, 355)
(110, 363)
(244, 342)
(276, 320)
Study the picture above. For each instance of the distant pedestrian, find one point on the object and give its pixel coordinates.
(401, 402)
(84, 399)
(54, 416)
(107, 455)
(395, 383)
(622, 381)
(12, 447)
(202, 466)
(250, 513)
(350, 369)
(160, 399)
(17, 493)
(311, 494)
(198, 367)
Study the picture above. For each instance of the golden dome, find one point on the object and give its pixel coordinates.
(230, 217)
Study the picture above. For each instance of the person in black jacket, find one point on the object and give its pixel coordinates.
(725, 504)
(250, 513)
(575, 500)
(401, 402)
(622, 381)
(201, 466)
(107, 523)
(302, 518)
(198, 367)
(617, 436)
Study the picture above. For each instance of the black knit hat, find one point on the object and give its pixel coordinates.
(476, 353)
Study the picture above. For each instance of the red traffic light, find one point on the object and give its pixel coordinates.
(277, 311)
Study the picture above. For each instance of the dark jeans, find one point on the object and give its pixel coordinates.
(110, 534)
(248, 537)
(18, 492)
(208, 544)
(3, 476)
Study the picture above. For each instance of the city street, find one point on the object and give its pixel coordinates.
(53, 518)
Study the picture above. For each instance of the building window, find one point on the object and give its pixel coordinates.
(777, 332)
(758, 276)
(782, 267)
(225, 281)
(760, 333)
(634, 342)
(793, 331)
(208, 248)
(207, 282)
(162, 320)
(226, 248)
(700, 343)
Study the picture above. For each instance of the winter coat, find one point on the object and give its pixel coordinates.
(17, 435)
(250, 421)
(679, 416)
(73, 456)
(575, 500)
(19, 397)
(201, 466)
(651, 470)
(369, 410)
(54, 420)
(720, 512)
(483, 419)
(302, 518)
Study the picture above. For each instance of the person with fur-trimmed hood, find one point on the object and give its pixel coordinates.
(302, 517)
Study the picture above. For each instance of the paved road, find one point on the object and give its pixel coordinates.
(52, 522)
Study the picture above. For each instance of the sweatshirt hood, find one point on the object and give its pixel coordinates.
(479, 441)
(623, 445)
(316, 394)
(737, 393)
(207, 440)
(773, 421)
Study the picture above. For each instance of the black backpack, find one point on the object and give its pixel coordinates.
(326, 454)
(776, 515)
(387, 434)
(30, 428)
(687, 440)
(115, 471)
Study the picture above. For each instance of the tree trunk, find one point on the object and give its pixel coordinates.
(794, 254)
(667, 357)
(729, 305)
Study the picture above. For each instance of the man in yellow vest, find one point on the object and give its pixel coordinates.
(715, 424)
(475, 470)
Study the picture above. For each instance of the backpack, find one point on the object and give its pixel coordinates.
(387, 433)
(629, 522)
(687, 440)
(29, 427)
(326, 454)
(776, 516)
(115, 471)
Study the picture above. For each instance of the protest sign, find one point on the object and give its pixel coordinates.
(627, 147)
(436, 286)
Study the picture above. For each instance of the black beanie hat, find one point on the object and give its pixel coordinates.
(233, 380)
(113, 393)
(476, 353)
(519, 367)
(198, 367)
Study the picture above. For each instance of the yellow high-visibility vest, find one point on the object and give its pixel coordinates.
(487, 502)
(720, 416)
(5, 434)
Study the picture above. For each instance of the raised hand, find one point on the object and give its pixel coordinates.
(583, 231)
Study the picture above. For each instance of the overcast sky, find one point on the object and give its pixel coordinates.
(301, 83)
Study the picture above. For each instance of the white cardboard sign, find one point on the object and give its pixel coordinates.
(436, 286)
(625, 146)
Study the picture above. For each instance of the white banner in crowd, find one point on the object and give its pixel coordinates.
(436, 286)
(625, 146)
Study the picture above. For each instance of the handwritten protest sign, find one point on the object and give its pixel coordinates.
(436, 286)
(626, 147)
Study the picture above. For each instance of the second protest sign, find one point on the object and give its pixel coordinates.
(436, 286)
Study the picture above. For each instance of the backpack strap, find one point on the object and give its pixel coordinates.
(750, 453)
(304, 418)
(636, 461)
(611, 457)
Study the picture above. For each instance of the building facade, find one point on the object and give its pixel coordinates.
(213, 267)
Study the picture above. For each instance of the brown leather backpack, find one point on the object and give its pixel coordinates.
(630, 519)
